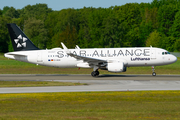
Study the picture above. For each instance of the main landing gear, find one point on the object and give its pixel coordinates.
(95, 72)
(153, 74)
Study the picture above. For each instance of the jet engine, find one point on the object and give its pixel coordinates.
(116, 67)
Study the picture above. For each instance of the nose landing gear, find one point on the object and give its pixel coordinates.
(153, 69)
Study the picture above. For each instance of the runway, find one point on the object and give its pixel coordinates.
(101, 83)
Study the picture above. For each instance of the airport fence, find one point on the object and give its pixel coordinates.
(177, 54)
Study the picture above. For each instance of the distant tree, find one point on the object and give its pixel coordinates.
(4, 36)
(68, 37)
(36, 31)
(151, 15)
(0, 12)
(5, 9)
(133, 38)
(177, 45)
(129, 18)
(159, 3)
(56, 24)
(19, 21)
(168, 43)
(154, 39)
(111, 32)
(50, 25)
(175, 29)
(67, 17)
(12, 13)
(145, 29)
(166, 17)
(175, 32)
(38, 11)
(84, 35)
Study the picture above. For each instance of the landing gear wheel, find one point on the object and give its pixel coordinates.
(95, 73)
(153, 74)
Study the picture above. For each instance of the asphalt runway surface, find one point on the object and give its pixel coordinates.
(101, 83)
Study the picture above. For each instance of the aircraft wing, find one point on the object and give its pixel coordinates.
(85, 59)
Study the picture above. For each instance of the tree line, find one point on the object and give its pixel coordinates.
(154, 24)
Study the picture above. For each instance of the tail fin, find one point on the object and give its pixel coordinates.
(19, 40)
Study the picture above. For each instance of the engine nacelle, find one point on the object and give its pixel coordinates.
(116, 67)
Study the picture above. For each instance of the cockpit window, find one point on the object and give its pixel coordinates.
(165, 53)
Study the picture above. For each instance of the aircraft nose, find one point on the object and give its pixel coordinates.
(174, 59)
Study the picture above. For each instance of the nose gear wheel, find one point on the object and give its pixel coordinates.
(153, 69)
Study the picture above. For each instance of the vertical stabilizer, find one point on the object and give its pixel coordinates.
(19, 40)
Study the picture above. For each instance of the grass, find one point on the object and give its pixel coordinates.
(36, 83)
(146, 105)
(8, 66)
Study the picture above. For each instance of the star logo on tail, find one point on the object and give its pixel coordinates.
(20, 41)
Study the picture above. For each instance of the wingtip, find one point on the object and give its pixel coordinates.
(77, 47)
(65, 48)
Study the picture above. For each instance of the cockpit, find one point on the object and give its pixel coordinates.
(165, 53)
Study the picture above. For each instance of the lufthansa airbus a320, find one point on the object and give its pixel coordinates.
(111, 59)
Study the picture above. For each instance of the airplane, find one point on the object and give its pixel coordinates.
(112, 59)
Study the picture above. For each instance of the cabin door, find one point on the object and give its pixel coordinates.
(153, 54)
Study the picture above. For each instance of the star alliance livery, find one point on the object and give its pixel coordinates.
(111, 59)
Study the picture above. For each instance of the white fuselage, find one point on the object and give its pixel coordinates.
(141, 56)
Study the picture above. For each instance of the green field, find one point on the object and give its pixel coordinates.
(145, 105)
(8, 66)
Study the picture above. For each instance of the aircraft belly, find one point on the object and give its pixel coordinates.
(67, 63)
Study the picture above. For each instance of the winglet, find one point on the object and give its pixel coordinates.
(77, 47)
(65, 48)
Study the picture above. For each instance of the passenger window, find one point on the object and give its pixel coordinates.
(162, 53)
